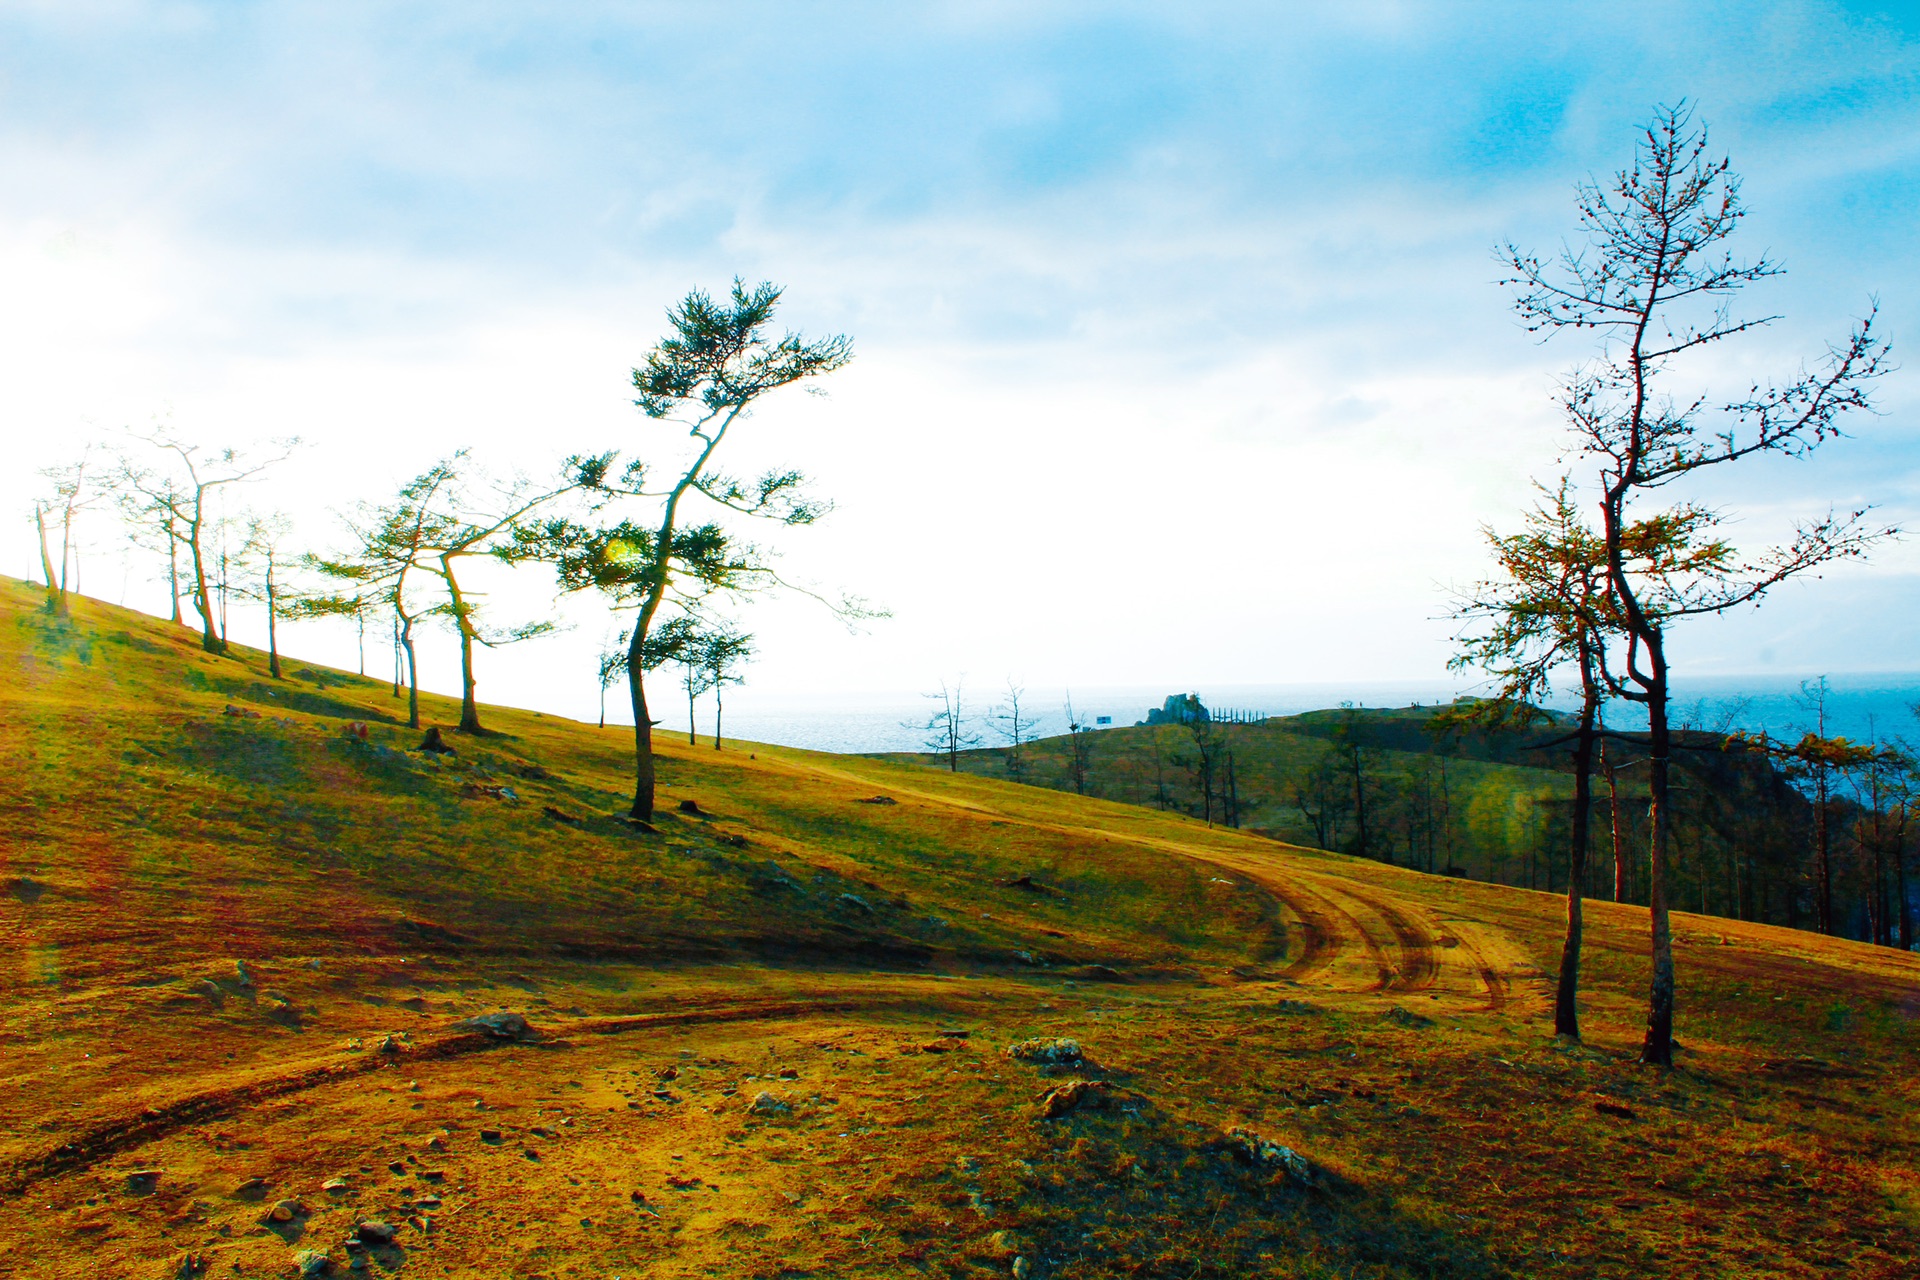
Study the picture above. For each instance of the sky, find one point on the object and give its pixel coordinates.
(1180, 356)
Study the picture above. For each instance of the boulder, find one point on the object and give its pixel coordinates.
(505, 1025)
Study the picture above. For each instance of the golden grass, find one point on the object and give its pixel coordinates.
(1390, 1026)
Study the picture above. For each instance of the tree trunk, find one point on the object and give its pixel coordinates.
(463, 624)
(693, 726)
(273, 636)
(202, 598)
(46, 555)
(1566, 1006)
(1658, 1048)
(718, 708)
(413, 672)
(173, 576)
(642, 735)
(396, 659)
(1822, 854)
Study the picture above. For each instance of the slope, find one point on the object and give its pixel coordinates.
(770, 1037)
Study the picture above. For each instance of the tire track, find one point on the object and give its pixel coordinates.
(115, 1134)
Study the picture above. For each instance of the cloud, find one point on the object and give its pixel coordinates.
(1178, 344)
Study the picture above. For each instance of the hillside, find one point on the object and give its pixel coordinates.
(1400, 785)
(769, 1039)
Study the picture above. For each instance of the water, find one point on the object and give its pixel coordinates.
(1861, 707)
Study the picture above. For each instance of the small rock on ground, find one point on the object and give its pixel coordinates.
(1046, 1049)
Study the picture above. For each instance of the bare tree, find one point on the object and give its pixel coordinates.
(1017, 728)
(189, 478)
(1079, 749)
(262, 565)
(73, 490)
(1654, 284)
(949, 729)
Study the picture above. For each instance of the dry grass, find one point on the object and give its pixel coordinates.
(1388, 1025)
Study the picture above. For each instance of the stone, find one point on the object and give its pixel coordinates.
(766, 1104)
(251, 1189)
(245, 977)
(878, 800)
(312, 1262)
(436, 1144)
(334, 1186)
(1404, 1018)
(142, 1181)
(1049, 1049)
(1075, 1095)
(285, 1211)
(489, 1135)
(689, 806)
(504, 1025)
(434, 744)
(789, 1073)
(375, 1232)
(1250, 1148)
(1022, 1269)
(856, 901)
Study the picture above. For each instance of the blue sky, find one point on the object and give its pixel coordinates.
(1176, 323)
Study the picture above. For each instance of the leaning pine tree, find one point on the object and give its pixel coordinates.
(719, 362)
(1653, 282)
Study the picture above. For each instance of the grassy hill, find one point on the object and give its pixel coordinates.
(240, 941)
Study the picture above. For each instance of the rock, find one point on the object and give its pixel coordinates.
(1613, 1109)
(855, 900)
(245, 713)
(251, 1189)
(312, 1262)
(1074, 1095)
(667, 1073)
(245, 977)
(211, 990)
(285, 1211)
(434, 744)
(1022, 1269)
(953, 1033)
(504, 1025)
(395, 1167)
(489, 1135)
(937, 1046)
(1405, 1018)
(142, 1181)
(690, 806)
(1250, 1148)
(436, 1144)
(789, 1073)
(375, 1232)
(336, 1186)
(768, 1105)
(877, 800)
(1051, 1049)
(189, 1265)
